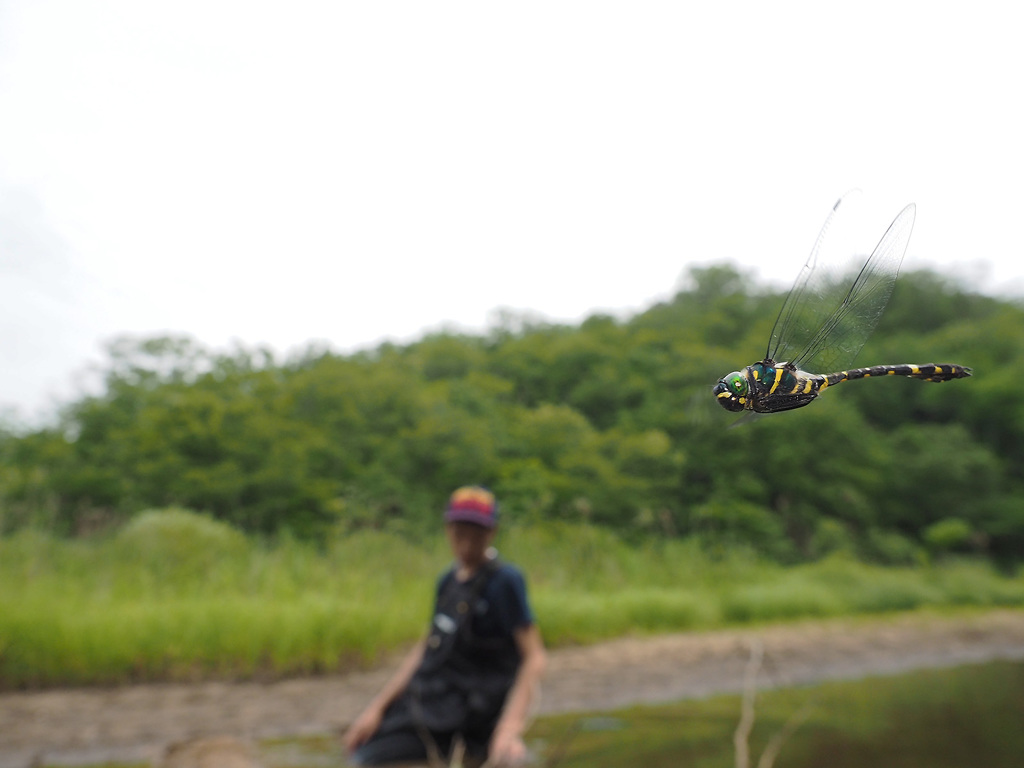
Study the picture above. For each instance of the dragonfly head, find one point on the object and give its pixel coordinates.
(732, 391)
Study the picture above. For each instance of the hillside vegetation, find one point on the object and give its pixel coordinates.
(609, 423)
(230, 514)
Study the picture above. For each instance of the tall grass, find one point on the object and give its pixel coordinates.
(178, 596)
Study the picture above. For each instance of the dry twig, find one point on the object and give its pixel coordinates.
(741, 737)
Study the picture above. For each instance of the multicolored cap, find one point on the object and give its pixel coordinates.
(472, 504)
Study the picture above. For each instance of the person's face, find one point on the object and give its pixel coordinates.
(469, 542)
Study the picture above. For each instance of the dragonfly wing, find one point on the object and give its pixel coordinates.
(837, 342)
(801, 314)
(746, 418)
(843, 294)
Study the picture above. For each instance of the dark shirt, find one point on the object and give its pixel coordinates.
(470, 659)
(502, 606)
(467, 669)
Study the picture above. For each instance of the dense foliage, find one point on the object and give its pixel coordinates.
(610, 422)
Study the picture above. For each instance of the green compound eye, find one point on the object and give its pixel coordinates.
(737, 383)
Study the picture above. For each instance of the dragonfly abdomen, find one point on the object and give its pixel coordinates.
(927, 372)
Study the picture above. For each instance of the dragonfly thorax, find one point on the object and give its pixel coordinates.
(757, 385)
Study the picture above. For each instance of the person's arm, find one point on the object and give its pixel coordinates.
(507, 747)
(369, 721)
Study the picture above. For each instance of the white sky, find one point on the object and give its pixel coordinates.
(287, 172)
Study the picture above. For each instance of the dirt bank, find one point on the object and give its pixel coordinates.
(76, 727)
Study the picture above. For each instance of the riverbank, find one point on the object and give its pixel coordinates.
(132, 723)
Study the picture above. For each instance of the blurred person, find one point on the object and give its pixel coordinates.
(474, 676)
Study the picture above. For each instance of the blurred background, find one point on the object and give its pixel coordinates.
(274, 281)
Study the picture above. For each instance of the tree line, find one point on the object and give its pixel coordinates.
(610, 421)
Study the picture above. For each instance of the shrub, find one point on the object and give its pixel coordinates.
(949, 535)
(178, 543)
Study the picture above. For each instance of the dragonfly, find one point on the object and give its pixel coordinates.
(823, 323)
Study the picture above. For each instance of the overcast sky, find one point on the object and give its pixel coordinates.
(350, 172)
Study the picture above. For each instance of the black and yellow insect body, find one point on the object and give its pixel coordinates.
(767, 388)
(823, 324)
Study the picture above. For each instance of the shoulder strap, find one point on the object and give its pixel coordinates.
(487, 571)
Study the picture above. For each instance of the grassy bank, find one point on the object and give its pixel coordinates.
(176, 596)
